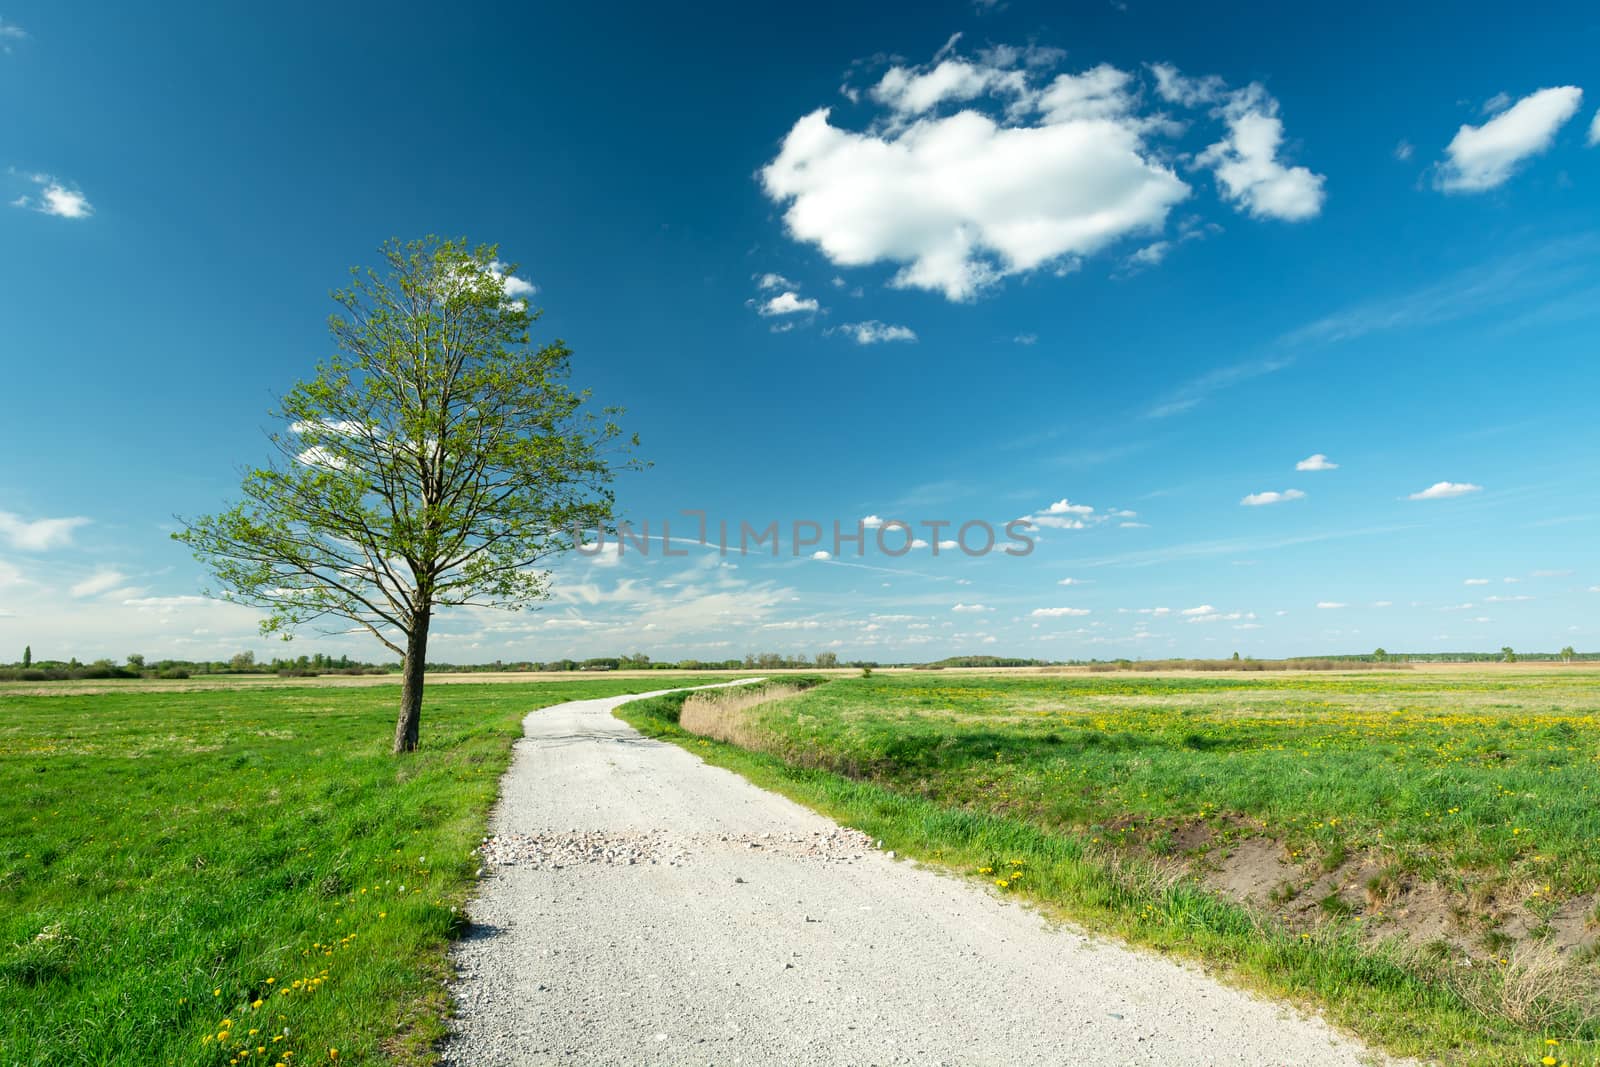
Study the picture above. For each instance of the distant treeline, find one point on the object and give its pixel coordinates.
(316, 664)
(1319, 663)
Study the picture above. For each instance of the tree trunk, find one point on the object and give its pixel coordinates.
(409, 724)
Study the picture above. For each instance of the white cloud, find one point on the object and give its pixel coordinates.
(1203, 609)
(787, 303)
(960, 201)
(1445, 490)
(1497, 103)
(1506, 599)
(1057, 613)
(969, 609)
(40, 535)
(1484, 157)
(1317, 462)
(56, 198)
(99, 582)
(1255, 500)
(872, 522)
(981, 168)
(821, 554)
(318, 456)
(1330, 605)
(512, 285)
(1476, 581)
(874, 332)
(1594, 130)
(1247, 167)
(1404, 150)
(1070, 581)
(770, 280)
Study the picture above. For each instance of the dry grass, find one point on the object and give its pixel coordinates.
(1534, 988)
(723, 714)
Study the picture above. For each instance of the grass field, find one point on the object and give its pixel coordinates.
(232, 876)
(1417, 853)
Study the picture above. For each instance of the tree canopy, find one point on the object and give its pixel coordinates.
(435, 460)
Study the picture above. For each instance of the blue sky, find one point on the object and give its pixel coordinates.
(1140, 259)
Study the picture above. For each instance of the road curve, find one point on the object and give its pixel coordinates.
(737, 948)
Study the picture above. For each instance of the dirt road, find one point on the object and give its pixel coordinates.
(662, 911)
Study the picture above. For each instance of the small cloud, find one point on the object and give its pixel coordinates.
(1506, 599)
(1330, 605)
(100, 582)
(1025, 339)
(1550, 574)
(1317, 462)
(1383, 603)
(1476, 581)
(787, 303)
(512, 285)
(1445, 490)
(873, 332)
(56, 198)
(821, 554)
(1256, 500)
(872, 522)
(1203, 609)
(1484, 157)
(1070, 581)
(777, 281)
(1057, 613)
(1594, 130)
(10, 32)
(1404, 150)
(969, 609)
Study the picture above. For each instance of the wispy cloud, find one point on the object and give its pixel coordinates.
(38, 535)
(1318, 462)
(873, 332)
(1198, 390)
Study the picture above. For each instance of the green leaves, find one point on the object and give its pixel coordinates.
(435, 459)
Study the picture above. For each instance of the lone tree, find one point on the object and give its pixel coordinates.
(27, 655)
(433, 461)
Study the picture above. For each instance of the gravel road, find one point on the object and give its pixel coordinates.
(642, 907)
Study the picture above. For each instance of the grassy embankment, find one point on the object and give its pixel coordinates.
(226, 877)
(1405, 851)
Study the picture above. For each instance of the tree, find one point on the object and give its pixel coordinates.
(827, 659)
(27, 655)
(434, 461)
(1379, 655)
(136, 660)
(242, 661)
(1568, 654)
(1507, 655)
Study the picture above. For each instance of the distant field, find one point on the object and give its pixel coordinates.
(220, 876)
(1418, 851)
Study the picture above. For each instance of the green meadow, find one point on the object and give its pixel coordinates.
(1416, 853)
(243, 875)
